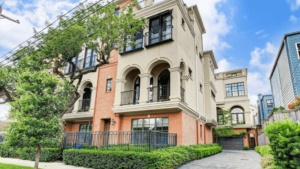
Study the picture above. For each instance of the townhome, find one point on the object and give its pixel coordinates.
(233, 95)
(165, 83)
(265, 104)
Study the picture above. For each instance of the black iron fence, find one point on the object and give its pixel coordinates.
(130, 97)
(84, 105)
(182, 94)
(158, 35)
(159, 93)
(142, 141)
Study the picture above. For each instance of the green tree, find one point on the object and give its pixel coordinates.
(40, 99)
(225, 127)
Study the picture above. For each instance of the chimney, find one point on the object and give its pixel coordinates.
(148, 3)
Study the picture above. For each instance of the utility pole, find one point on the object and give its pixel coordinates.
(5, 17)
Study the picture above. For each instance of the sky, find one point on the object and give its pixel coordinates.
(242, 34)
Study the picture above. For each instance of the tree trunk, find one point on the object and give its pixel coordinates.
(37, 157)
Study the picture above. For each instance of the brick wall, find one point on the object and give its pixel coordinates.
(189, 130)
(74, 126)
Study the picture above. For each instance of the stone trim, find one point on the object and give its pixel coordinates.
(185, 78)
(212, 86)
(120, 81)
(174, 69)
(202, 119)
(145, 75)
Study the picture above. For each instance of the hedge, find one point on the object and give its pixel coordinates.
(168, 158)
(47, 154)
(263, 150)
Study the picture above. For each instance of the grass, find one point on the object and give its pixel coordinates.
(12, 166)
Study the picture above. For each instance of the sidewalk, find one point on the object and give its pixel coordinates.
(51, 165)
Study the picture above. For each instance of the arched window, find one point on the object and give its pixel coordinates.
(136, 91)
(164, 85)
(237, 115)
(86, 100)
(164, 78)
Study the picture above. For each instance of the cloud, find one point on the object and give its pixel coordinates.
(215, 22)
(224, 66)
(260, 67)
(258, 32)
(293, 19)
(295, 4)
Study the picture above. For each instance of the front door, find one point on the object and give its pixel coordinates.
(252, 142)
(106, 134)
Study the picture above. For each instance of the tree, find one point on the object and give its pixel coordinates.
(225, 127)
(36, 110)
(95, 27)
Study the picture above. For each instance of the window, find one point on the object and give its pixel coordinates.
(237, 116)
(200, 87)
(220, 116)
(235, 89)
(117, 12)
(234, 74)
(158, 124)
(75, 61)
(298, 49)
(85, 127)
(201, 131)
(90, 58)
(213, 95)
(160, 28)
(270, 103)
(137, 38)
(108, 85)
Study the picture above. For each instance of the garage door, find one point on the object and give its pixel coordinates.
(231, 143)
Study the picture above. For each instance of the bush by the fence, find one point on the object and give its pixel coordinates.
(263, 150)
(47, 154)
(168, 158)
(284, 139)
(246, 148)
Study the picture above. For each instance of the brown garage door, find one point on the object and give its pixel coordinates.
(231, 143)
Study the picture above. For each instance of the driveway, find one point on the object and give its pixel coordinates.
(228, 159)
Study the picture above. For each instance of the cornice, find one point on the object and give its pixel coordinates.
(145, 75)
(175, 69)
(78, 115)
(231, 77)
(211, 85)
(120, 81)
(185, 78)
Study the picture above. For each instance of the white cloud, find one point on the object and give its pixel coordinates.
(295, 4)
(215, 23)
(293, 19)
(258, 32)
(224, 66)
(260, 67)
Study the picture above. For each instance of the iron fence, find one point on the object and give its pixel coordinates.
(84, 105)
(159, 35)
(159, 93)
(130, 97)
(142, 141)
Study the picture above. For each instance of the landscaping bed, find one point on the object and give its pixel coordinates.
(167, 158)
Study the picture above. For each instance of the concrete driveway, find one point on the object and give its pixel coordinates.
(228, 159)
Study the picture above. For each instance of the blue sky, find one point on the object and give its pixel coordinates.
(242, 34)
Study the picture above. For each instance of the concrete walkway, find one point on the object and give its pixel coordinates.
(52, 165)
(228, 159)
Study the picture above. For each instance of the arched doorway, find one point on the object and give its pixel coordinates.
(251, 140)
(136, 97)
(163, 84)
(86, 100)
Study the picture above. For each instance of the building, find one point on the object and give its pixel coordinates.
(285, 74)
(265, 105)
(254, 112)
(233, 95)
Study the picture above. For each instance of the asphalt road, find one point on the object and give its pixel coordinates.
(228, 159)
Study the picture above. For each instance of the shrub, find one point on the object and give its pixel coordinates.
(284, 139)
(167, 158)
(263, 150)
(47, 154)
(268, 162)
(246, 148)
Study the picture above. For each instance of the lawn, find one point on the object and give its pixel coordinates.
(11, 166)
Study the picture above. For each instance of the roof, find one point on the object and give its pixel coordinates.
(195, 8)
(280, 49)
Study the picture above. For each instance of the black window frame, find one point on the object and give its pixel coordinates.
(76, 60)
(88, 127)
(155, 124)
(269, 105)
(135, 47)
(238, 121)
(240, 89)
(92, 59)
(107, 82)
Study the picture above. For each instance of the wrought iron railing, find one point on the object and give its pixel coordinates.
(159, 35)
(182, 91)
(142, 141)
(84, 105)
(159, 93)
(128, 48)
(130, 97)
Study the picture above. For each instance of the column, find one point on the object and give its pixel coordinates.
(120, 83)
(175, 84)
(144, 85)
(76, 105)
(93, 98)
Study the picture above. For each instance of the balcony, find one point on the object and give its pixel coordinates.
(132, 48)
(130, 97)
(82, 64)
(159, 93)
(159, 36)
(84, 105)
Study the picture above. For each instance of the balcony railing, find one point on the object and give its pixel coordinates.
(84, 105)
(182, 91)
(130, 48)
(159, 93)
(159, 35)
(81, 64)
(130, 97)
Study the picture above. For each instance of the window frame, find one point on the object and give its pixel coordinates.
(107, 80)
(237, 117)
(160, 26)
(270, 105)
(155, 123)
(135, 48)
(298, 49)
(237, 89)
(91, 58)
(87, 127)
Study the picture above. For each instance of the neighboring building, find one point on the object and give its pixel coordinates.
(266, 105)
(285, 74)
(254, 112)
(233, 95)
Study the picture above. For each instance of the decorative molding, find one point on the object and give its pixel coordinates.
(202, 119)
(213, 87)
(174, 69)
(185, 78)
(145, 75)
(77, 116)
(120, 81)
